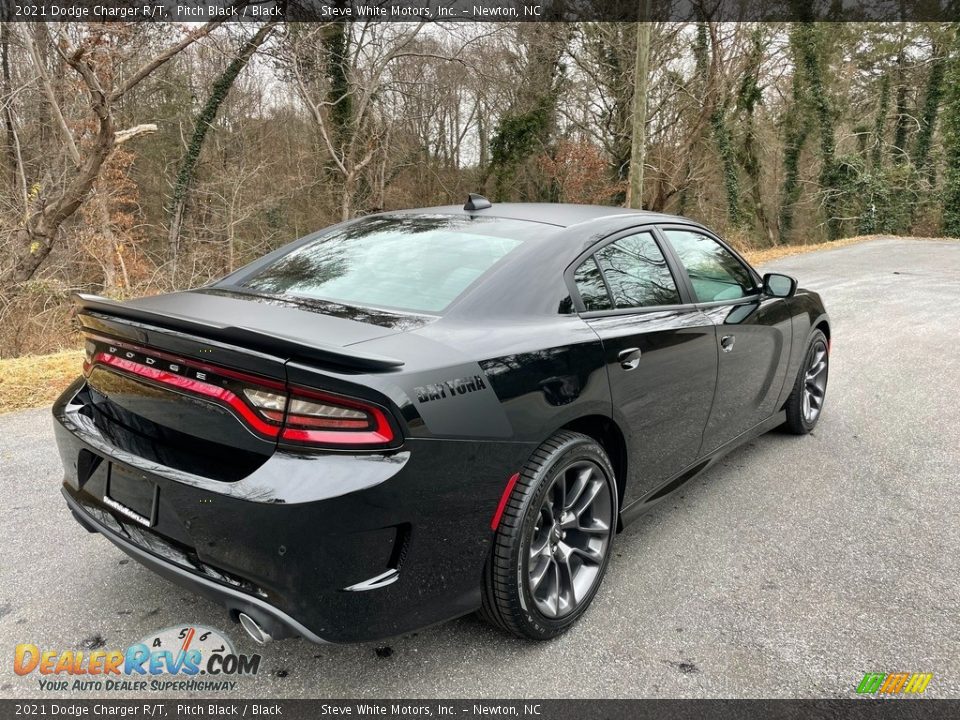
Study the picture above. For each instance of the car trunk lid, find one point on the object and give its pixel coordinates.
(175, 380)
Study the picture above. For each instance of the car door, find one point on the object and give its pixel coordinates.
(753, 332)
(660, 352)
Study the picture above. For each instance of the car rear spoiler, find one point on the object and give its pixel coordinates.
(279, 345)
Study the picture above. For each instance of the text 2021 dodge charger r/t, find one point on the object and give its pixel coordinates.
(414, 415)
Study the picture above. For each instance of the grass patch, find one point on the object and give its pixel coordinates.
(36, 380)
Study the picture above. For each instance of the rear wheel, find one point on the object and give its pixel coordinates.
(553, 542)
(806, 401)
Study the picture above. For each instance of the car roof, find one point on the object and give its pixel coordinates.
(559, 214)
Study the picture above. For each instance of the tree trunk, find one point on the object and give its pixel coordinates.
(35, 239)
(638, 146)
(11, 152)
(880, 123)
(218, 93)
(346, 197)
(899, 148)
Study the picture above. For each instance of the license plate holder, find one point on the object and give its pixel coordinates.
(132, 495)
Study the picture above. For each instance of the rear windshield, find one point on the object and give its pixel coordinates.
(416, 263)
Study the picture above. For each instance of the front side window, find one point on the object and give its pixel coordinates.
(715, 273)
(637, 273)
(416, 263)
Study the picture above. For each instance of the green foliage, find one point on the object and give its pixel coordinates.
(720, 129)
(807, 40)
(518, 137)
(879, 125)
(878, 199)
(335, 42)
(951, 142)
(796, 123)
(793, 147)
(899, 149)
(218, 93)
(731, 178)
(931, 105)
(750, 94)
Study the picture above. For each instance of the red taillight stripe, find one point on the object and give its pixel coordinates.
(220, 394)
(192, 363)
(336, 437)
(381, 434)
(495, 522)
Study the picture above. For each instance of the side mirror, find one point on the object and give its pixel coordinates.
(780, 286)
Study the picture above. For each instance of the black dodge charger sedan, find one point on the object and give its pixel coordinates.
(414, 415)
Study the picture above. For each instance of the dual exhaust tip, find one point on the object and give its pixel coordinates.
(254, 629)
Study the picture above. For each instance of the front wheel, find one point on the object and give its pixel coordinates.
(810, 389)
(553, 543)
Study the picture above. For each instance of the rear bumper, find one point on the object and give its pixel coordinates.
(287, 543)
(275, 621)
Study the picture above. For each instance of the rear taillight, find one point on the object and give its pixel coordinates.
(314, 418)
(269, 404)
(323, 419)
(298, 416)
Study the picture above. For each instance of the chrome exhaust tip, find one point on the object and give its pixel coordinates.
(257, 633)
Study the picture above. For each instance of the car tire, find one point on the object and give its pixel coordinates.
(553, 541)
(805, 404)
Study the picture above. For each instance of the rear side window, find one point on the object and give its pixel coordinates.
(637, 272)
(592, 289)
(416, 263)
(714, 271)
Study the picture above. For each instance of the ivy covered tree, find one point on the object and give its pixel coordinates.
(208, 114)
(528, 127)
(951, 142)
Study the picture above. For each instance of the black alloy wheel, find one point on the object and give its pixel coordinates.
(553, 543)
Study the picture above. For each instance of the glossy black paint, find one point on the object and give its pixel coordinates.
(281, 531)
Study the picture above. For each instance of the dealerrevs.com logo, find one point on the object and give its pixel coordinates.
(189, 658)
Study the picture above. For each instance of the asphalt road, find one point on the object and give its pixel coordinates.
(789, 569)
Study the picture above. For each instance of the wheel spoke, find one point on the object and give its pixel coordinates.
(816, 370)
(546, 513)
(586, 500)
(589, 554)
(597, 527)
(557, 497)
(556, 585)
(568, 587)
(539, 547)
(540, 572)
(580, 482)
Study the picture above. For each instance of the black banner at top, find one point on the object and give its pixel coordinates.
(479, 10)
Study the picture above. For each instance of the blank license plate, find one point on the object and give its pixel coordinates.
(132, 495)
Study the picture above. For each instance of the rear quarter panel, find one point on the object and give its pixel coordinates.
(518, 381)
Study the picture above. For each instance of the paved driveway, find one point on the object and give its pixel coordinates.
(790, 569)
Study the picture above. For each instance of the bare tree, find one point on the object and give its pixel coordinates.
(89, 56)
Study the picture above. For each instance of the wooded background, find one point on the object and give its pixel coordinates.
(141, 158)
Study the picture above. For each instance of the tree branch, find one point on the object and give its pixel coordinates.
(163, 57)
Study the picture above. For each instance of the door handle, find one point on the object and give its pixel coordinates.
(727, 341)
(629, 358)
